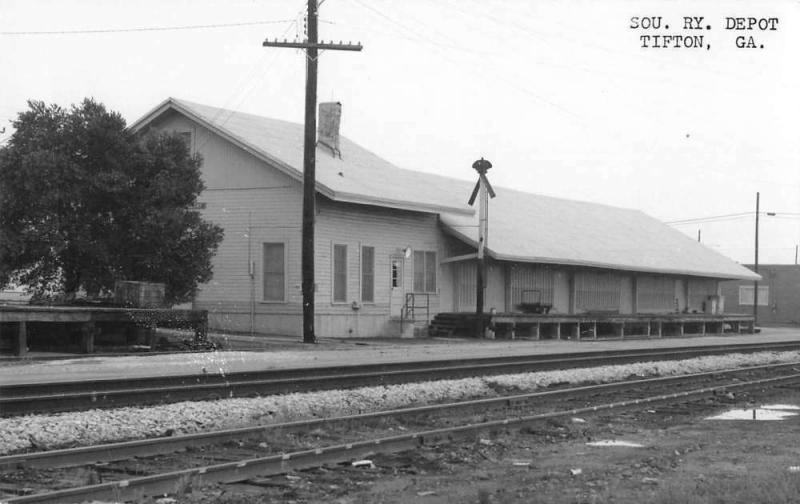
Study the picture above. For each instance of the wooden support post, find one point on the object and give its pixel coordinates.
(594, 330)
(558, 330)
(576, 331)
(536, 331)
(87, 337)
(659, 329)
(22, 338)
(647, 331)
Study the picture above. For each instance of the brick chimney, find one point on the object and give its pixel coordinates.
(330, 115)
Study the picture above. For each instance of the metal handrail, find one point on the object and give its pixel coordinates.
(410, 305)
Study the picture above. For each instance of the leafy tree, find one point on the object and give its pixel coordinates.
(85, 202)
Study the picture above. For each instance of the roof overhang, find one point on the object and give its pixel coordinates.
(592, 264)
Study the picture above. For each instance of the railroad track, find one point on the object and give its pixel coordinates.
(90, 394)
(511, 412)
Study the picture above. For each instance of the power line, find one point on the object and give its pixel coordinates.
(145, 29)
(439, 49)
(734, 216)
(710, 218)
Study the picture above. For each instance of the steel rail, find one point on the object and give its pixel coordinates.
(157, 446)
(81, 395)
(137, 488)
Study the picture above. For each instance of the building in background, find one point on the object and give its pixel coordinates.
(778, 294)
(387, 237)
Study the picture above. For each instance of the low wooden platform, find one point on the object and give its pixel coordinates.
(592, 326)
(88, 317)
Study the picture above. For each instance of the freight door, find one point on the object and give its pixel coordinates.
(465, 283)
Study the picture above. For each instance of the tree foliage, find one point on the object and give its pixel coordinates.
(85, 202)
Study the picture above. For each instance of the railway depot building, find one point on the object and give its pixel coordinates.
(394, 244)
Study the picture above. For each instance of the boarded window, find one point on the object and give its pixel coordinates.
(274, 272)
(368, 274)
(746, 295)
(424, 271)
(340, 273)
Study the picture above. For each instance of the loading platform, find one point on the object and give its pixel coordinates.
(592, 325)
(17, 321)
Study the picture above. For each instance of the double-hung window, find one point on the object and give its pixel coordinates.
(274, 272)
(746, 295)
(339, 273)
(367, 274)
(424, 271)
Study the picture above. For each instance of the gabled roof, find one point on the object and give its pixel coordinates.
(522, 226)
(359, 176)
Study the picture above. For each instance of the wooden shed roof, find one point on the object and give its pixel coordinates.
(522, 226)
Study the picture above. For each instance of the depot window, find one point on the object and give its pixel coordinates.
(339, 273)
(274, 272)
(424, 271)
(367, 274)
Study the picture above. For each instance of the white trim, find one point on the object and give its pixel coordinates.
(465, 257)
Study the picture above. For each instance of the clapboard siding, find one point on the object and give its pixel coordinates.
(254, 204)
(389, 232)
(225, 166)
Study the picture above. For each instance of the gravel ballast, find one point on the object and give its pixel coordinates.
(39, 432)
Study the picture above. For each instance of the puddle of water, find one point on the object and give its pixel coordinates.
(747, 414)
(785, 407)
(615, 442)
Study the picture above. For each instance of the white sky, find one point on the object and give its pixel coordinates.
(559, 95)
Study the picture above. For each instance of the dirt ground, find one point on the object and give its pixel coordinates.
(683, 458)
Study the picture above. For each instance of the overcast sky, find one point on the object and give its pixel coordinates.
(559, 95)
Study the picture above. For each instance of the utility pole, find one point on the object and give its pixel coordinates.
(755, 283)
(483, 189)
(312, 47)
